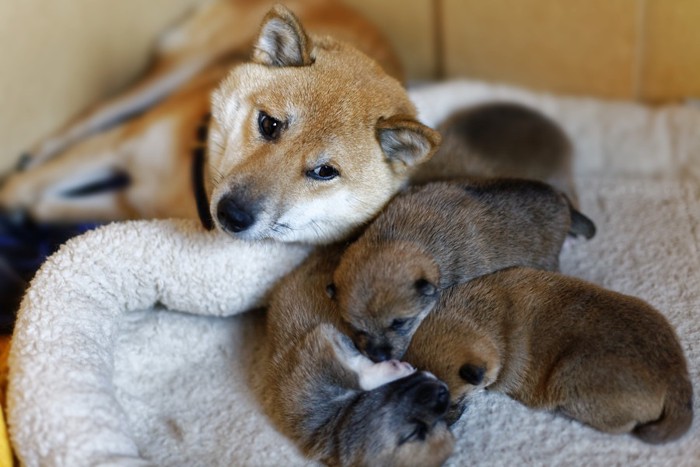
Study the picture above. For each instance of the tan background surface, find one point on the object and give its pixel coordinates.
(58, 57)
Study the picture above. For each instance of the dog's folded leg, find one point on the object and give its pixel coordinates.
(137, 170)
(47, 193)
(164, 78)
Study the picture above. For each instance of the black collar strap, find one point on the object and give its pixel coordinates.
(199, 158)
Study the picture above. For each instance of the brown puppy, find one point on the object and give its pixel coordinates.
(558, 343)
(432, 237)
(502, 139)
(337, 405)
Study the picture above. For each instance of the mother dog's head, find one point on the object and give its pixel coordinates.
(309, 140)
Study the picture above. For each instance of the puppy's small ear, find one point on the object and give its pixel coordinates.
(425, 288)
(472, 374)
(282, 40)
(330, 290)
(406, 142)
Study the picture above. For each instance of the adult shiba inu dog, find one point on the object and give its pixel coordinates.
(430, 238)
(337, 405)
(558, 343)
(306, 141)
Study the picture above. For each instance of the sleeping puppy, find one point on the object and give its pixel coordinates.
(442, 234)
(558, 343)
(334, 403)
(502, 140)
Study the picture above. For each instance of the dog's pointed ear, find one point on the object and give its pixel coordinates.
(282, 40)
(405, 141)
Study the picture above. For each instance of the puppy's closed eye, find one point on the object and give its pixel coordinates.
(331, 290)
(418, 434)
(425, 288)
(400, 323)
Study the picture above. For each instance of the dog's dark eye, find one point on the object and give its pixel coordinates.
(400, 323)
(323, 172)
(269, 127)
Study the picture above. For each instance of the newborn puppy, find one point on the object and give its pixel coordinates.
(558, 343)
(502, 139)
(438, 235)
(337, 405)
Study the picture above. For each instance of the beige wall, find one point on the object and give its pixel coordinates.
(629, 49)
(411, 27)
(59, 56)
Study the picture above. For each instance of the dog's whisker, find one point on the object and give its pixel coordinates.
(361, 203)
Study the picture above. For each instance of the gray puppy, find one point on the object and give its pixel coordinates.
(559, 343)
(442, 234)
(501, 139)
(337, 405)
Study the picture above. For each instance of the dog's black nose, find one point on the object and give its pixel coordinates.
(378, 353)
(232, 216)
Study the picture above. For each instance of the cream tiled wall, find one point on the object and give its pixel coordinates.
(411, 27)
(671, 61)
(627, 49)
(585, 47)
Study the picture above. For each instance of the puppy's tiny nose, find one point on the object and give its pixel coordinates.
(379, 353)
(433, 395)
(442, 400)
(232, 216)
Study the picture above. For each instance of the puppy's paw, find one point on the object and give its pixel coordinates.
(379, 374)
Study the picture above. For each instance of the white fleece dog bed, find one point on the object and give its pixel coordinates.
(100, 375)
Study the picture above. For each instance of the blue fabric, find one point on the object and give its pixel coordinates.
(24, 245)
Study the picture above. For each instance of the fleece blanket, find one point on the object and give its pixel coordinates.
(131, 347)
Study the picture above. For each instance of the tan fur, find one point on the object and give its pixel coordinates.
(154, 148)
(559, 343)
(313, 387)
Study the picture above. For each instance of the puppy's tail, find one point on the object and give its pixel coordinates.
(580, 223)
(676, 417)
